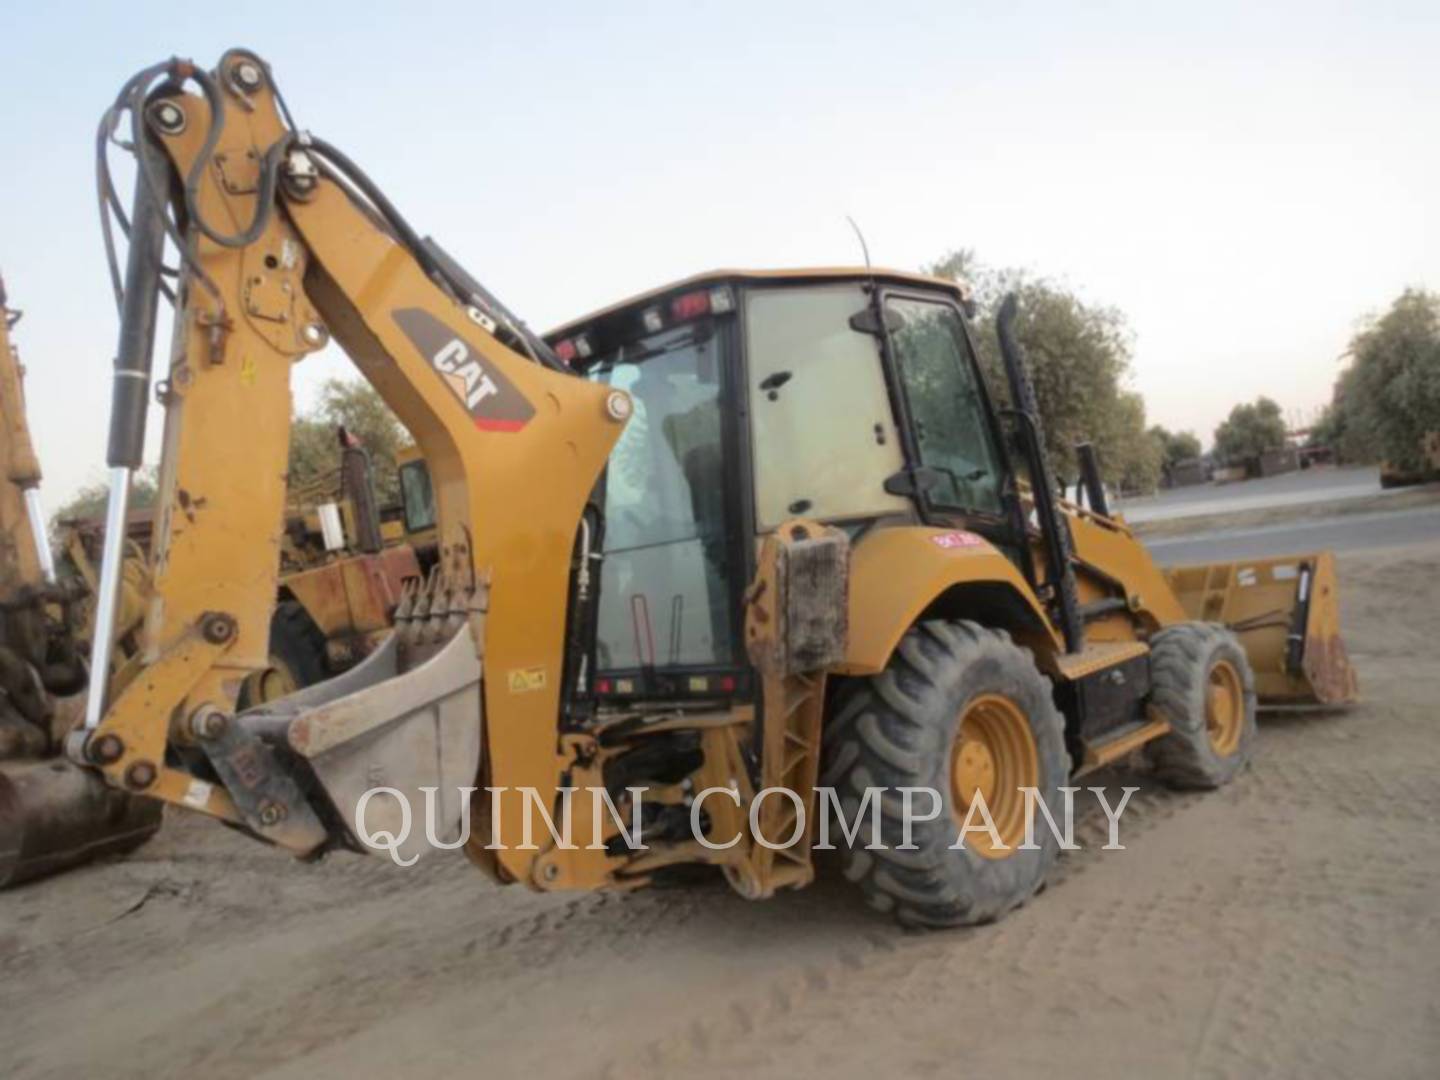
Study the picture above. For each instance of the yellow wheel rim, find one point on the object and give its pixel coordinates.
(1224, 708)
(274, 682)
(993, 758)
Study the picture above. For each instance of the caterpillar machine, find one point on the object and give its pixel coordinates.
(750, 531)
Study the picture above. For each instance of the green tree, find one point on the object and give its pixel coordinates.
(89, 502)
(1141, 460)
(1388, 398)
(355, 406)
(1175, 446)
(1249, 431)
(1079, 356)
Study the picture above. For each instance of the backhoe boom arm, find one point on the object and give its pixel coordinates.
(514, 447)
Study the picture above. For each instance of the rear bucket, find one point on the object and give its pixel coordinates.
(55, 815)
(1286, 614)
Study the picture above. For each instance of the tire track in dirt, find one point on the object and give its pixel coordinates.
(885, 952)
(1288, 968)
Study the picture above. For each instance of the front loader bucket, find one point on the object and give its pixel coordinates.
(1286, 613)
(55, 815)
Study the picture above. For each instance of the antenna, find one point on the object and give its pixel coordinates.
(864, 247)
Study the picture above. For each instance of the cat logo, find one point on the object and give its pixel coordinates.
(492, 401)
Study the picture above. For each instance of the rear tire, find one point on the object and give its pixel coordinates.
(1202, 683)
(957, 701)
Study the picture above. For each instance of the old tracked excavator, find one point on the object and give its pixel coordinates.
(751, 531)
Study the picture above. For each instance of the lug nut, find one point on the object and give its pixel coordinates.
(140, 775)
(271, 814)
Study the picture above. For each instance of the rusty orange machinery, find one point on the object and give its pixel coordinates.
(352, 599)
(349, 595)
(50, 818)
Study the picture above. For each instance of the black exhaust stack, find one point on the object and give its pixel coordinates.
(1060, 575)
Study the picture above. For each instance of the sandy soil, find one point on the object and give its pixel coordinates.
(1285, 926)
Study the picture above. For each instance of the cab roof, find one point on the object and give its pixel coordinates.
(797, 276)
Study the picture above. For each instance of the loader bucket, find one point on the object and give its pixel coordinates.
(1286, 614)
(55, 815)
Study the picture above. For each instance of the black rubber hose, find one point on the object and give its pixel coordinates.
(412, 242)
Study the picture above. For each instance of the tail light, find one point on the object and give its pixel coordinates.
(692, 305)
(574, 348)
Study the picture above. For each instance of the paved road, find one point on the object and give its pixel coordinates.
(1288, 489)
(1349, 533)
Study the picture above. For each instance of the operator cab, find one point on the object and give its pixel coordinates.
(843, 396)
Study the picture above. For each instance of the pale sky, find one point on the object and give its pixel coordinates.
(1244, 184)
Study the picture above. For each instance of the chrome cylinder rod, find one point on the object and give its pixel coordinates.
(107, 602)
(35, 511)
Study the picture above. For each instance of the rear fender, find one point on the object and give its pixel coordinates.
(900, 575)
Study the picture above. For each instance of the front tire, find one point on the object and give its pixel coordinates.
(963, 711)
(1202, 683)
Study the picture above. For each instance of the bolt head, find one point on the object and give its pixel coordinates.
(106, 748)
(618, 406)
(169, 117)
(315, 334)
(218, 628)
(247, 75)
(140, 775)
(209, 722)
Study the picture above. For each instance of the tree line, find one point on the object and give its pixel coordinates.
(1080, 359)
(1386, 400)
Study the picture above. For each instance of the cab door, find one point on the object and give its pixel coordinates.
(951, 425)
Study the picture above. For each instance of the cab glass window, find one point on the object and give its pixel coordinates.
(665, 579)
(417, 496)
(822, 428)
(952, 430)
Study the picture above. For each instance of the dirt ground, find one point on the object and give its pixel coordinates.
(1287, 925)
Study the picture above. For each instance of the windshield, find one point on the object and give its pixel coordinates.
(665, 582)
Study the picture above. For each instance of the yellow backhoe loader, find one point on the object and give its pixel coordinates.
(708, 552)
